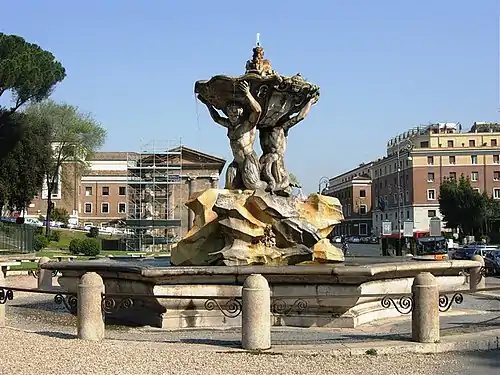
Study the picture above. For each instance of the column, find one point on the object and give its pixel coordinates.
(191, 190)
(215, 182)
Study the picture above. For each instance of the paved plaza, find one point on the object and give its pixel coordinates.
(42, 336)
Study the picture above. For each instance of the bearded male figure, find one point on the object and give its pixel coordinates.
(244, 171)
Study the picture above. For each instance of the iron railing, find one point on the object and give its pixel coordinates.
(16, 238)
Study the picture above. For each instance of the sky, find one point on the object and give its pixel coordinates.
(383, 67)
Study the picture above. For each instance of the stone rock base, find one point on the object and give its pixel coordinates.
(234, 227)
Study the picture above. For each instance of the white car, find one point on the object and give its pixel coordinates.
(33, 221)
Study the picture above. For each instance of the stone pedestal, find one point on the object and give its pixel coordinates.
(477, 280)
(44, 276)
(425, 314)
(256, 314)
(90, 315)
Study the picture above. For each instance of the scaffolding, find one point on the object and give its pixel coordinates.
(154, 196)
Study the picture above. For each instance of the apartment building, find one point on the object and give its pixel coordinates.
(406, 182)
(353, 189)
(101, 195)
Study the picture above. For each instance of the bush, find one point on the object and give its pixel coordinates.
(54, 236)
(94, 232)
(75, 246)
(40, 242)
(90, 247)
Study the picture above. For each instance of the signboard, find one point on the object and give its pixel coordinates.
(435, 227)
(386, 228)
(408, 229)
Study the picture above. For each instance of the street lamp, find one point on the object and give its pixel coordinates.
(323, 181)
(401, 148)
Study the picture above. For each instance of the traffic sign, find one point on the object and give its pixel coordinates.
(386, 228)
(408, 229)
(435, 227)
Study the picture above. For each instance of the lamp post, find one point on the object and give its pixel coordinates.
(323, 181)
(406, 148)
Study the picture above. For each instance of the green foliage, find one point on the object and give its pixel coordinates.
(22, 171)
(40, 242)
(93, 232)
(75, 136)
(462, 206)
(54, 236)
(75, 246)
(91, 247)
(59, 215)
(28, 73)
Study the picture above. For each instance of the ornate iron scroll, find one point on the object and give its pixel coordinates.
(280, 307)
(6, 295)
(109, 305)
(445, 302)
(69, 301)
(231, 309)
(403, 306)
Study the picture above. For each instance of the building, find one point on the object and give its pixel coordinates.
(353, 189)
(406, 182)
(104, 194)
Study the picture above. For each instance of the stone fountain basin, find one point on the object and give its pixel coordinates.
(333, 293)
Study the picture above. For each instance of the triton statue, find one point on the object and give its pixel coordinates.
(262, 100)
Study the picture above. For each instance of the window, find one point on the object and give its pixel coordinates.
(88, 191)
(494, 143)
(474, 176)
(496, 193)
(453, 175)
(430, 160)
(431, 213)
(430, 177)
(496, 175)
(407, 214)
(362, 193)
(105, 190)
(363, 229)
(431, 194)
(472, 143)
(424, 144)
(88, 208)
(450, 143)
(496, 159)
(473, 159)
(121, 190)
(452, 160)
(407, 195)
(122, 208)
(362, 209)
(105, 208)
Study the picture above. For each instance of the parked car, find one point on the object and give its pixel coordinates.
(33, 221)
(337, 239)
(492, 262)
(466, 252)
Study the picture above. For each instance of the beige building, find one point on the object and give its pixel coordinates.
(116, 185)
(353, 189)
(405, 183)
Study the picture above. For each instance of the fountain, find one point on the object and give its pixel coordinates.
(256, 225)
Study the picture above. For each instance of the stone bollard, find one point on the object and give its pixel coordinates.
(90, 315)
(256, 313)
(2, 305)
(44, 276)
(477, 280)
(425, 314)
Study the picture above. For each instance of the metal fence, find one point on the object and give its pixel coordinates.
(16, 238)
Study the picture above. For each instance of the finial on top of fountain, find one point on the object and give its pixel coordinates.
(259, 65)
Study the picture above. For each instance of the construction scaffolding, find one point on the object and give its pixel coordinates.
(154, 196)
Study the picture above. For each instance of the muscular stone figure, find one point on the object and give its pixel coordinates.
(244, 171)
(273, 142)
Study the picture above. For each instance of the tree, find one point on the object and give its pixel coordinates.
(22, 171)
(28, 73)
(75, 137)
(60, 215)
(462, 206)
